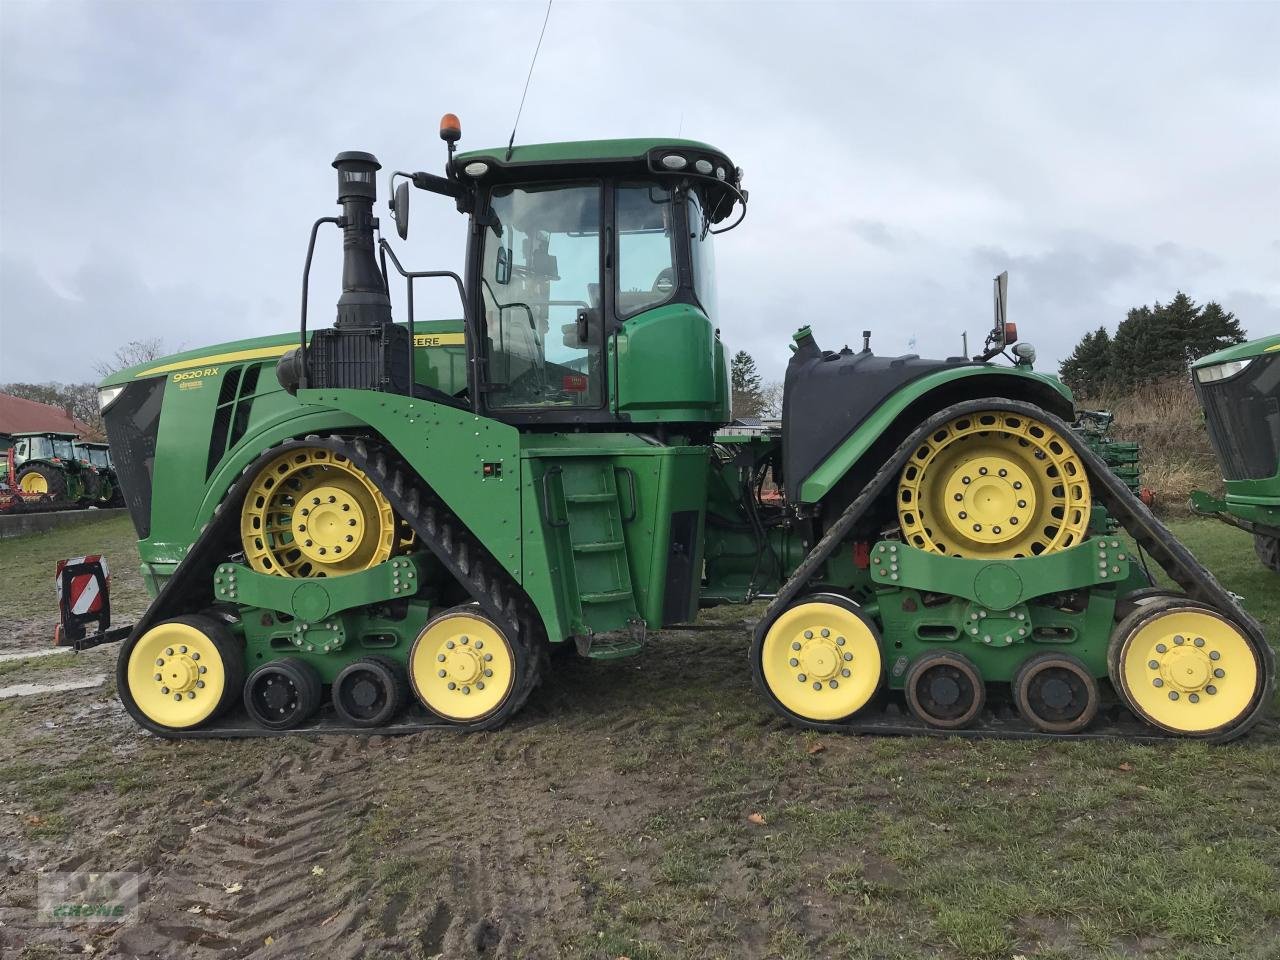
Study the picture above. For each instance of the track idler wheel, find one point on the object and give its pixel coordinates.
(1055, 693)
(994, 484)
(945, 690)
(370, 692)
(1185, 668)
(820, 660)
(180, 674)
(464, 668)
(282, 694)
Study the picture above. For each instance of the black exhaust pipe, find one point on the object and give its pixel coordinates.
(364, 301)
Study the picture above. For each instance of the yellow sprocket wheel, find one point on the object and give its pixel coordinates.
(181, 673)
(821, 660)
(1185, 668)
(994, 485)
(462, 666)
(311, 512)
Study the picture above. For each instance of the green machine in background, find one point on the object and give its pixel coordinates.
(1239, 389)
(392, 524)
(44, 464)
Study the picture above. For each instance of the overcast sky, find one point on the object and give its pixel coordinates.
(161, 163)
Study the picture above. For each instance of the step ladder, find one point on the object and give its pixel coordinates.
(594, 521)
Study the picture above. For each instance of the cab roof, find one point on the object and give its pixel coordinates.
(55, 434)
(577, 151)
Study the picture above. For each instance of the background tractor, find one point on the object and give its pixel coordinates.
(101, 485)
(383, 523)
(42, 467)
(1239, 389)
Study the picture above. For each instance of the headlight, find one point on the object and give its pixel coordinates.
(107, 396)
(1025, 353)
(1220, 371)
(476, 168)
(673, 161)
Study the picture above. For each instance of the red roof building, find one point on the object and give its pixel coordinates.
(18, 415)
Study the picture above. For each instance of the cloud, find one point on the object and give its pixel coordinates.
(161, 164)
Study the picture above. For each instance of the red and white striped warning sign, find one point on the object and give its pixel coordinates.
(85, 597)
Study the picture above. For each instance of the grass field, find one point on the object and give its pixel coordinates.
(645, 808)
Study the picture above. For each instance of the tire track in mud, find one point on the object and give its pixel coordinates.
(243, 884)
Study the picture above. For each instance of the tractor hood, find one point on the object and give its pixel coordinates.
(1241, 351)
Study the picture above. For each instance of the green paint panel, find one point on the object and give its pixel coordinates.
(655, 383)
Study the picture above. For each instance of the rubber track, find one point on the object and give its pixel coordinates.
(1133, 515)
(437, 527)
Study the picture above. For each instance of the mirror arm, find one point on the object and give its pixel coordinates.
(442, 185)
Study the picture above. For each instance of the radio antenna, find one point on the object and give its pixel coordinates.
(520, 109)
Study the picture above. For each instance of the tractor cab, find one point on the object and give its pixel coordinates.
(591, 275)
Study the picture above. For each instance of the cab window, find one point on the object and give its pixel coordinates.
(540, 293)
(646, 256)
(704, 259)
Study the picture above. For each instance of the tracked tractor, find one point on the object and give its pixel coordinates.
(1239, 389)
(391, 525)
(43, 469)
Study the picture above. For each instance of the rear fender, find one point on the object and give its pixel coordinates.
(855, 459)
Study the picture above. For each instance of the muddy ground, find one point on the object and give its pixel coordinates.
(646, 808)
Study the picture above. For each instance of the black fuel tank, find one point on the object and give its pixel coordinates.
(828, 394)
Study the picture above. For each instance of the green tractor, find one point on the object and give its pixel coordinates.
(393, 525)
(42, 467)
(102, 487)
(1239, 389)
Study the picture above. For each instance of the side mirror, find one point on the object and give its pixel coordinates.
(502, 268)
(400, 209)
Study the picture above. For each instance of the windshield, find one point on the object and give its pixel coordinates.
(540, 287)
(98, 456)
(63, 449)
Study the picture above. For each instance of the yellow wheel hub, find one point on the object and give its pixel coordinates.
(462, 667)
(821, 661)
(1189, 671)
(313, 513)
(994, 484)
(34, 483)
(176, 675)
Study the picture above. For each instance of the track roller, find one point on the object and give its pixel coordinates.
(282, 694)
(1185, 668)
(820, 659)
(180, 674)
(369, 692)
(945, 690)
(1055, 693)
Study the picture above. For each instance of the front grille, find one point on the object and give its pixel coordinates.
(1242, 414)
(132, 423)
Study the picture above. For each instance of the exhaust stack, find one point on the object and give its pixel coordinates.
(363, 350)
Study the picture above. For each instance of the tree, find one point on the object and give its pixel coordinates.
(746, 395)
(1151, 343)
(131, 354)
(1087, 371)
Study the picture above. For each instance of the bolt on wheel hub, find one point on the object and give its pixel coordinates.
(821, 661)
(462, 667)
(1184, 668)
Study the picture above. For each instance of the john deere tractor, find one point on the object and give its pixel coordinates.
(43, 467)
(1239, 389)
(102, 488)
(394, 523)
